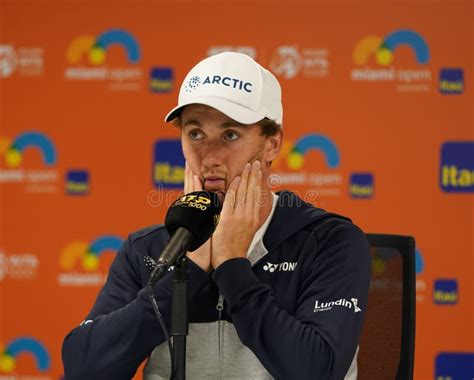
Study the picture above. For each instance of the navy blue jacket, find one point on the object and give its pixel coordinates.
(302, 323)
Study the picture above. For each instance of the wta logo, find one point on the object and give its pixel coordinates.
(13, 150)
(383, 48)
(95, 48)
(24, 345)
(86, 257)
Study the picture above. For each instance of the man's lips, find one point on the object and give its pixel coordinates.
(214, 183)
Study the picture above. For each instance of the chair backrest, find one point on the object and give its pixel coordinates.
(387, 346)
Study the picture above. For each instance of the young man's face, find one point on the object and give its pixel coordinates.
(217, 147)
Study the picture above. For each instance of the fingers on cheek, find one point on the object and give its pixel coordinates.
(195, 183)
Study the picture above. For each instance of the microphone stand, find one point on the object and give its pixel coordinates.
(179, 318)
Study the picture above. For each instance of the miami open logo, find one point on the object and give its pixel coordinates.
(383, 48)
(13, 150)
(38, 171)
(381, 52)
(313, 160)
(87, 56)
(80, 261)
(95, 48)
(11, 353)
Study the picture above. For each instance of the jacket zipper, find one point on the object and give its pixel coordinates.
(219, 308)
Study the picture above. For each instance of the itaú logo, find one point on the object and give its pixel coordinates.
(325, 306)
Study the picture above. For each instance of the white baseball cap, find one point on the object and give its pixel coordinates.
(234, 84)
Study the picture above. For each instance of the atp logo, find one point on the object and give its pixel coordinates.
(95, 48)
(13, 150)
(24, 345)
(384, 48)
(87, 257)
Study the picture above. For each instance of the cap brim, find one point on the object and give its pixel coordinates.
(234, 111)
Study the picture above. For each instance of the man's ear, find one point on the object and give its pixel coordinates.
(273, 146)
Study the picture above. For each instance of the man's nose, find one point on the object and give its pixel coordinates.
(213, 154)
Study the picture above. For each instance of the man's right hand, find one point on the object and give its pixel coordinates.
(202, 255)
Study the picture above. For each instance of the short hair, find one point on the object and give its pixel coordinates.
(269, 127)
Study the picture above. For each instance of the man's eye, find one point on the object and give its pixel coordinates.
(231, 136)
(195, 135)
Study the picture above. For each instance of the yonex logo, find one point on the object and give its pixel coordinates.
(195, 81)
(325, 306)
(282, 267)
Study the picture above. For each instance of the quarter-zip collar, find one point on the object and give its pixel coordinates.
(290, 207)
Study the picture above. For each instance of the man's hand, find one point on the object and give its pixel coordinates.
(202, 255)
(239, 219)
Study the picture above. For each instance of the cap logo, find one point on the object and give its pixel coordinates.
(194, 82)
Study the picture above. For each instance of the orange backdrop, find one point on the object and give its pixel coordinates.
(379, 129)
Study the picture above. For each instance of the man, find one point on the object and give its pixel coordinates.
(280, 289)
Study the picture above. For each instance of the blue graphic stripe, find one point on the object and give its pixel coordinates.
(419, 263)
(409, 37)
(27, 344)
(36, 139)
(106, 243)
(119, 36)
(322, 143)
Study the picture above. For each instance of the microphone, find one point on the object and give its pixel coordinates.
(190, 221)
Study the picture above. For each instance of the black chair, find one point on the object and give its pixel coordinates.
(387, 346)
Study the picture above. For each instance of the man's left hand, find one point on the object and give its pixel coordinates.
(239, 219)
